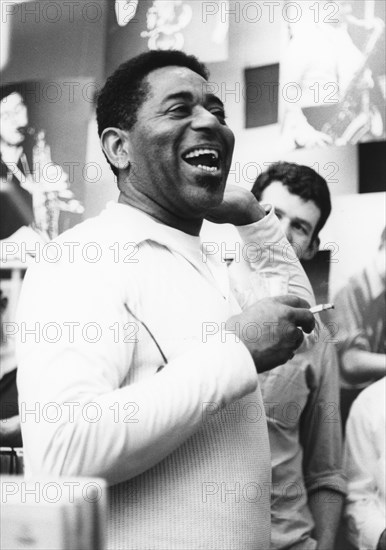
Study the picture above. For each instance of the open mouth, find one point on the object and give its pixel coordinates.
(206, 159)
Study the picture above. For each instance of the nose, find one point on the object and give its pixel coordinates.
(21, 118)
(286, 227)
(204, 119)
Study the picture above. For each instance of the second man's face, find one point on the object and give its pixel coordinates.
(298, 217)
(180, 146)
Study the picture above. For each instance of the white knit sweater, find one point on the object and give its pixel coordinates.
(186, 448)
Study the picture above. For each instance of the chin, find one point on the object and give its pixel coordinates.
(210, 182)
(211, 190)
(17, 141)
(203, 199)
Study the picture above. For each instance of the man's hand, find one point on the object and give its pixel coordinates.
(272, 329)
(239, 207)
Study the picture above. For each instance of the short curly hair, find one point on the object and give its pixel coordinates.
(125, 90)
(300, 180)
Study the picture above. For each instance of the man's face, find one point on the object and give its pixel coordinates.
(298, 218)
(13, 119)
(180, 146)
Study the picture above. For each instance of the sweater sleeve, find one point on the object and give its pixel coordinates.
(266, 249)
(77, 416)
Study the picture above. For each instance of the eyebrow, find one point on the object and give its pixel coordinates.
(189, 97)
(303, 222)
(298, 220)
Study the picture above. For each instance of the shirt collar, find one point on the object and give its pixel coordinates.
(136, 226)
(139, 227)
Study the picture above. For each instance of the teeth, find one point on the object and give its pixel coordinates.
(207, 168)
(198, 152)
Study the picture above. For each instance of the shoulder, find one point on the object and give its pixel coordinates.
(374, 393)
(104, 241)
(104, 229)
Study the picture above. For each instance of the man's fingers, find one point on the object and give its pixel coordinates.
(293, 337)
(304, 319)
(298, 337)
(293, 301)
(301, 316)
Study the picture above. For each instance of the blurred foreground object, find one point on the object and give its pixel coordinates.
(53, 514)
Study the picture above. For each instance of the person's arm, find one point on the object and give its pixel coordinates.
(321, 440)
(273, 252)
(364, 511)
(361, 365)
(265, 247)
(358, 364)
(61, 370)
(326, 509)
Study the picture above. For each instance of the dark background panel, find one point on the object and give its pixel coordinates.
(261, 95)
(372, 167)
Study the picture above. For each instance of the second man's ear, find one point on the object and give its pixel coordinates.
(312, 249)
(116, 147)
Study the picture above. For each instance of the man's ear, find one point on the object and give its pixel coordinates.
(116, 146)
(312, 249)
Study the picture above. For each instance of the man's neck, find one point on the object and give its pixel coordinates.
(10, 154)
(160, 214)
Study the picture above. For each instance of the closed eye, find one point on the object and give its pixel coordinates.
(180, 110)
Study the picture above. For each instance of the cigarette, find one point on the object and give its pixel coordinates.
(321, 307)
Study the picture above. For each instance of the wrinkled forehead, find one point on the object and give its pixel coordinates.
(173, 82)
(10, 102)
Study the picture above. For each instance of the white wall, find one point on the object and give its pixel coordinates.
(354, 228)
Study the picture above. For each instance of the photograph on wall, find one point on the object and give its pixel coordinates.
(37, 202)
(198, 28)
(35, 189)
(332, 74)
